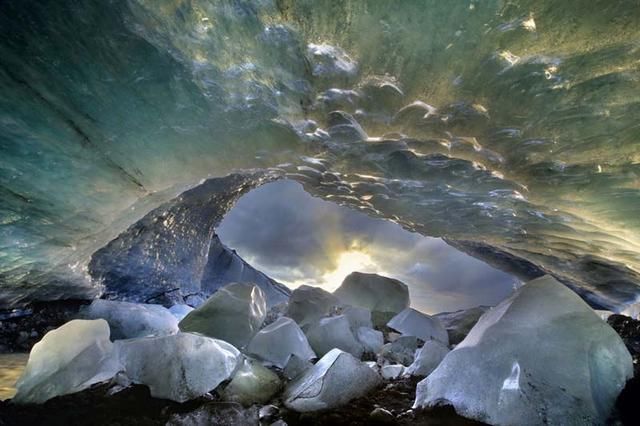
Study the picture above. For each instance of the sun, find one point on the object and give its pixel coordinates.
(348, 262)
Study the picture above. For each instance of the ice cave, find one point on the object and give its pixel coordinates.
(319, 212)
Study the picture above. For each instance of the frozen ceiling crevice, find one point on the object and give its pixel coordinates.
(510, 129)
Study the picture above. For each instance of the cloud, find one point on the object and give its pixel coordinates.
(296, 239)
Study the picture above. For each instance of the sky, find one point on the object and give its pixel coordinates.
(297, 239)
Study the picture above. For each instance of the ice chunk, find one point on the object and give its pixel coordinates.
(278, 341)
(67, 360)
(400, 351)
(392, 371)
(179, 367)
(330, 62)
(371, 340)
(295, 367)
(336, 379)
(414, 323)
(127, 320)
(427, 358)
(308, 304)
(180, 311)
(234, 314)
(542, 356)
(459, 323)
(358, 317)
(252, 384)
(333, 332)
(374, 292)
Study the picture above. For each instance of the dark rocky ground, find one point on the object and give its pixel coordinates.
(388, 404)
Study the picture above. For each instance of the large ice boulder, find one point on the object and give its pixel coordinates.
(371, 340)
(333, 332)
(252, 384)
(358, 317)
(234, 313)
(67, 360)
(400, 351)
(381, 295)
(127, 320)
(427, 358)
(459, 323)
(180, 311)
(542, 356)
(410, 322)
(308, 304)
(278, 341)
(179, 367)
(336, 379)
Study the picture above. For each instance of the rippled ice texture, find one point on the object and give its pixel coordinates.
(523, 149)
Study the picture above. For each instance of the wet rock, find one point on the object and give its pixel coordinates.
(374, 292)
(128, 320)
(381, 416)
(459, 323)
(67, 360)
(427, 358)
(252, 384)
(333, 332)
(336, 379)
(308, 304)
(411, 322)
(331, 62)
(217, 413)
(179, 367)
(541, 356)
(234, 314)
(278, 341)
(268, 413)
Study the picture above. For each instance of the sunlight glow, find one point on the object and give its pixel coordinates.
(348, 262)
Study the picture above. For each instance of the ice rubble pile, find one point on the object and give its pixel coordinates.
(560, 363)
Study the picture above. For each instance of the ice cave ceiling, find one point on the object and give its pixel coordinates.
(510, 128)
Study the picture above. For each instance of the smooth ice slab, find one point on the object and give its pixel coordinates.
(67, 360)
(333, 332)
(278, 341)
(127, 320)
(336, 379)
(374, 292)
(542, 356)
(358, 317)
(372, 340)
(427, 358)
(234, 314)
(252, 384)
(414, 323)
(308, 304)
(179, 367)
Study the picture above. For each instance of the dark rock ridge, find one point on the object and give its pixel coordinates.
(173, 252)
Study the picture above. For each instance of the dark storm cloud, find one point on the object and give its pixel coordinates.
(296, 238)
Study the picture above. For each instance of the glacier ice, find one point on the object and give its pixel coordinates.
(279, 340)
(178, 367)
(392, 371)
(374, 292)
(459, 323)
(370, 339)
(67, 360)
(330, 62)
(541, 356)
(400, 351)
(333, 332)
(308, 304)
(336, 379)
(427, 358)
(252, 384)
(217, 413)
(411, 322)
(295, 367)
(127, 320)
(180, 311)
(234, 314)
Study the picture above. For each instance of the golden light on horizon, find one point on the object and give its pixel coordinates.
(348, 262)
